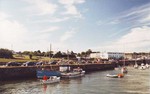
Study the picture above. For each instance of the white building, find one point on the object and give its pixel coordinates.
(107, 55)
(95, 55)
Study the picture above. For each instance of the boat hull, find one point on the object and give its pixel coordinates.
(112, 76)
(50, 81)
(115, 76)
(72, 75)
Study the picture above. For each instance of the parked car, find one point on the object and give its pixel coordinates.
(53, 62)
(40, 63)
(29, 63)
(12, 63)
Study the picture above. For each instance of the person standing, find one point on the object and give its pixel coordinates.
(45, 77)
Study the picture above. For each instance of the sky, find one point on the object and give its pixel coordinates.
(75, 25)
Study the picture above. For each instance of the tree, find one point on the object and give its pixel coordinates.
(58, 54)
(26, 52)
(30, 56)
(83, 54)
(72, 55)
(78, 54)
(5, 53)
(88, 52)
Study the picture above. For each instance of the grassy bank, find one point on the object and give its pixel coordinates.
(17, 60)
(26, 58)
(21, 59)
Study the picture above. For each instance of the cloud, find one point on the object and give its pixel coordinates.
(11, 31)
(50, 20)
(53, 12)
(3, 16)
(72, 10)
(59, 19)
(114, 22)
(146, 19)
(71, 2)
(67, 35)
(136, 40)
(136, 11)
(136, 15)
(70, 7)
(41, 7)
(50, 29)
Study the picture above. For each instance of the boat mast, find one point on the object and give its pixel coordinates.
(124, 55)
(124, 60)
(67, 55)
(50, 51)
(50, 56)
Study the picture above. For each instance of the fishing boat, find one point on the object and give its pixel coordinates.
(77, 72)
(48, 73)
(52, 79)
(115, 76)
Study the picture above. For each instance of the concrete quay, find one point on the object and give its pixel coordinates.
(26, 72)
(132, 62)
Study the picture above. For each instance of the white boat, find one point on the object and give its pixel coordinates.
(115, 76)
(112, 75)
(78, 72)
(142, 67)
(52, 79)
(136, 66)
(124, 70)
(147, 66)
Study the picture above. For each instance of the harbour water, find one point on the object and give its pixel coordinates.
(135, 82)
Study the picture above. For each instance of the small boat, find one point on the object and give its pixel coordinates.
(136, 66)
(147, 66)
(142, 67)
(115, 76)
(52, 79)
(112, 75)
(77, 72)
(124, 70)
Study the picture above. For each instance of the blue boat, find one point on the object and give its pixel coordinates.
(48, 73)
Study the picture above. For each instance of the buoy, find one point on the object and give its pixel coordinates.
(120, 75)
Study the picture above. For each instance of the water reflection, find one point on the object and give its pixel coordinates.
(44, 88)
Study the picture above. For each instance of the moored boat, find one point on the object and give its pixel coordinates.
(136, 66)
(112, 75)
(147, 66)
(115, 75)
(142, 67)
(77, 72)
(124, 70)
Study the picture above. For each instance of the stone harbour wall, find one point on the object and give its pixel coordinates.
(22, 72)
